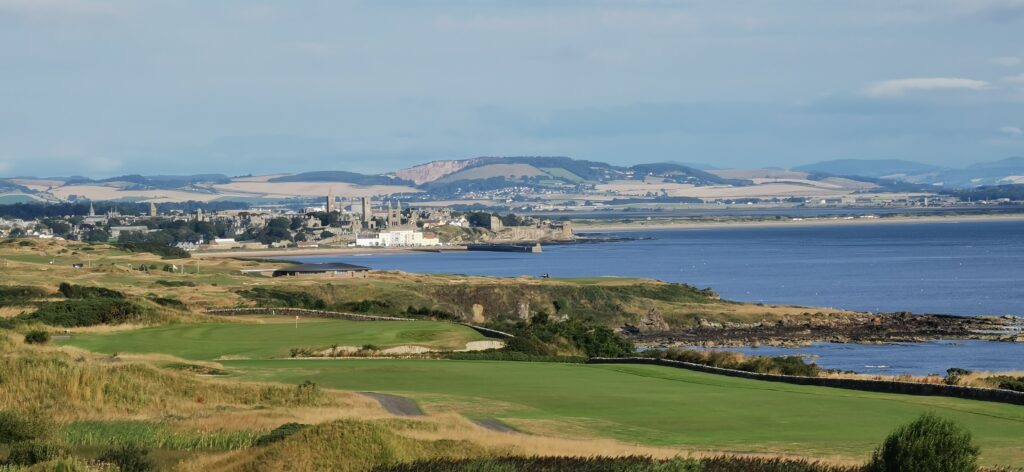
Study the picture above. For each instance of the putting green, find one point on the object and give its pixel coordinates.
(274, 337)
(658, 405)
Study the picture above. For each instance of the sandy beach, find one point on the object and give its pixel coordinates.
(679, 223)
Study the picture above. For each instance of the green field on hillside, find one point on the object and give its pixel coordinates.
(274, 337)
(657, 405)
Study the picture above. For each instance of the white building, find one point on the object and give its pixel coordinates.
(404, 238)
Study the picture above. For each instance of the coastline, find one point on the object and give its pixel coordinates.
(341, 251)
(655, 224)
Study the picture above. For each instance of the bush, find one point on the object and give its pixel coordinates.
(929, 444)
(83, 292)
(37, 336)
(279, 433)
(954, 374)
(17, 295)
(1007, 382)
(86, 312)
(128, 458)
(33, 452)
(176, 283)
(16, 427)
(274, 297)
(160, 249)
(783, 365)
(168, 302)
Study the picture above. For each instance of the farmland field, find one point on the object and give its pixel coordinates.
(274, 337)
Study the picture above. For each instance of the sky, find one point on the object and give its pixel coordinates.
(110, 87)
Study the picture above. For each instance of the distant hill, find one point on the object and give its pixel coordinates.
(342, 176)
(868, 168)
(551, 170)
(1005, 171)
(154, 181)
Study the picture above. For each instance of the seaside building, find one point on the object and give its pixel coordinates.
(401, 238)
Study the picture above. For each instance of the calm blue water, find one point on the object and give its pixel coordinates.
(906, 358)
(953, 268)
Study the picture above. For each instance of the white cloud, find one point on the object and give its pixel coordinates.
(1012, 130)
(1007, 61)
(897, 87)
(1013, 79)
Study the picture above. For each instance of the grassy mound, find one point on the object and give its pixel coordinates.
(345, 445)
(274, 338)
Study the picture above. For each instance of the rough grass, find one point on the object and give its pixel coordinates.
(71, 386)
(207, 341)
(344, 445)
(154, 435)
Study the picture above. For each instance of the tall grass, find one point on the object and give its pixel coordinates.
(82, 386)
(153, 435)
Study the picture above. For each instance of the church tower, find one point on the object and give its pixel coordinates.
(330, 200)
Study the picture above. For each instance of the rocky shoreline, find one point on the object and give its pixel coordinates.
(865, 328)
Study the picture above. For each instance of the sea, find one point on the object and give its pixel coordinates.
(966, 268)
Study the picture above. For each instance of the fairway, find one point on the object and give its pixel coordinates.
(657, 405)
(274, 337)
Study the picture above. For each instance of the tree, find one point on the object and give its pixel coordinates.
(97, 235)
(929, 444)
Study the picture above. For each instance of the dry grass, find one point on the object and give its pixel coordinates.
(974, 379)
(73, 386)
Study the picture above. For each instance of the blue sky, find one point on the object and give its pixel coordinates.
(106, 87)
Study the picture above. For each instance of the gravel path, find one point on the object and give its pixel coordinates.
(494, 425)
(395, 404)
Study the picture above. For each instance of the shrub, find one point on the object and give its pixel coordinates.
(83, 291)
(33, 452)
(17, 294)
(17, 427)
(160, 249)
(86, 312)
(784, 365)
(929, 444)
(37, 336)
(431, 313)
(176, 283)
(274, 297)
(1007, 382)
(168, 302)
(128, 458)
(954, 374)
(279, 433)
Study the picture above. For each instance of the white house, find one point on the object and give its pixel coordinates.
(403, 238)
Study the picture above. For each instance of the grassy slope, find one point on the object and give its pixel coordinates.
(659, 406)
(208, 341)
(608, 300)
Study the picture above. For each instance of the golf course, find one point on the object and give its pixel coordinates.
(646, 405)
(268, 337)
